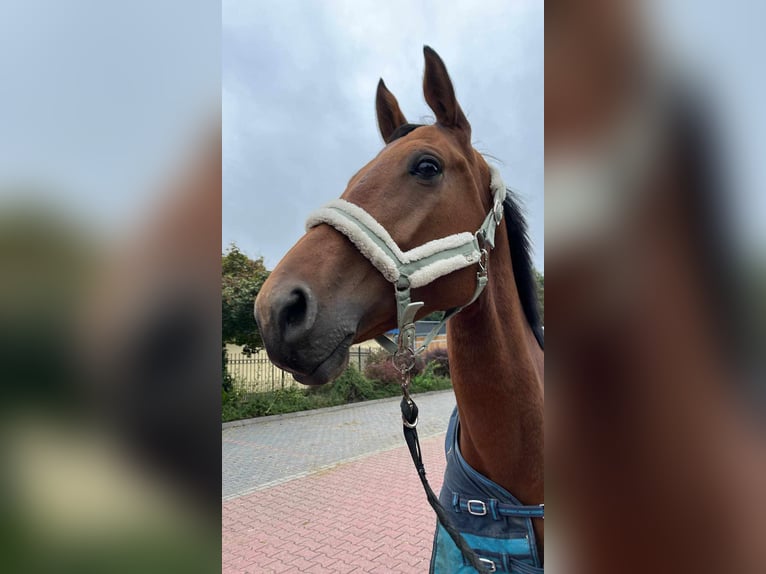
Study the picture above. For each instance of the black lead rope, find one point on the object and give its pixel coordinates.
(410, 421)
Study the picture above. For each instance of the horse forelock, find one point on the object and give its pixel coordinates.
(402, 131)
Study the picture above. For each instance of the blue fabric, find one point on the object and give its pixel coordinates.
(496, 530)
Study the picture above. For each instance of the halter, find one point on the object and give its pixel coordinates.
(409, 270)
(417, 267)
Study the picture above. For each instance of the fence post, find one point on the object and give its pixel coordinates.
(256, 373)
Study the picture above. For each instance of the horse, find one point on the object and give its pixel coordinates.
(662, 459)
(427, 185)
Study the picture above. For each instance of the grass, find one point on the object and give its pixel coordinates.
(350, 387)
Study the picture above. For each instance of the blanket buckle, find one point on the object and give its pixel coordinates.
(482, 510)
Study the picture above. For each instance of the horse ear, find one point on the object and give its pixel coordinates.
(440, 95)
(390, 116)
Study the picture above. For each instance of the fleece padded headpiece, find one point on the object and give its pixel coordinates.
(419, 266)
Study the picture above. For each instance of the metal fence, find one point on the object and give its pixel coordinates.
(254, 372)
(358, 357)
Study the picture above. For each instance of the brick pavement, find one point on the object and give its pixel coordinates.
(366, 516)
(334, 491)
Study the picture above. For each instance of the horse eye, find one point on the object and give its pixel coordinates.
(427, 168)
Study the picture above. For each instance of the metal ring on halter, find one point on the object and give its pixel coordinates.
(404, 360)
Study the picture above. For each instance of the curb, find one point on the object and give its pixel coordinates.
(286, 416)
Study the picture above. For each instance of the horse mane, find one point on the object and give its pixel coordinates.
(521, 256)
(521, 261)
(402, 131)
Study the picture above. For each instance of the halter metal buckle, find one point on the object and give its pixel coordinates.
(490, 564)
(482, 511)
(497, 211)
(483, 263)
(481, 241)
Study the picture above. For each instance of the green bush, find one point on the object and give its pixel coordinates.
(350, 387)
(228, 380)
(430, 380)
(438, 357)
(247, 405)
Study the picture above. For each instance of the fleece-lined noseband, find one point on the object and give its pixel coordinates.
(419, 266)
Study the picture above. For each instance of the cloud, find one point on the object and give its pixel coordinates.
(299, 85)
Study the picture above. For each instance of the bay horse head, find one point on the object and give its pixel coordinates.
(427, 184)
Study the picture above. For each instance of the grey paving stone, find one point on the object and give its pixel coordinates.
(273, 450)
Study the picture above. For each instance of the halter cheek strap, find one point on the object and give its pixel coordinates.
(419, 266)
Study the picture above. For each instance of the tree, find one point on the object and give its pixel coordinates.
(241, 280)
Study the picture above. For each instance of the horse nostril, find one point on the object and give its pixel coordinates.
(295, 312)
(298, 313)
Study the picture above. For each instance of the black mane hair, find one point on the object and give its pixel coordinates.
(402, 131)
(521, 256)
(521, 261)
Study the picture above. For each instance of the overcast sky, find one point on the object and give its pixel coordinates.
(101, 102)
(299, 82)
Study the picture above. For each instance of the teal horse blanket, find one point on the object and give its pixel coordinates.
(494, 523)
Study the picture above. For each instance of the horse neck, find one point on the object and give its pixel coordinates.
(497, 375)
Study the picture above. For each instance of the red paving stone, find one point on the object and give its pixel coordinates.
(370, 515)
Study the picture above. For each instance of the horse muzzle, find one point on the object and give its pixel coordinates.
(300, 339)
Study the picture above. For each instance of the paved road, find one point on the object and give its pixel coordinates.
(275, 449)
(331, 492)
